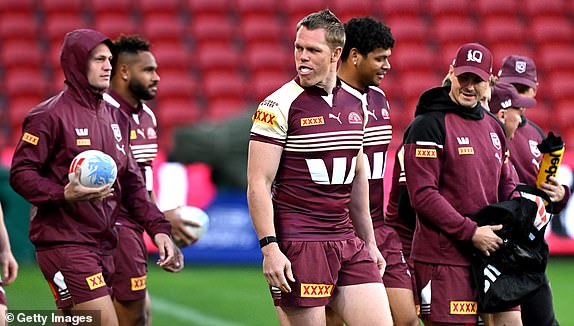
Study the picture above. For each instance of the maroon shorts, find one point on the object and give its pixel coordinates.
(320, 266)
(397, 273)
(75, 273)
(130, 260)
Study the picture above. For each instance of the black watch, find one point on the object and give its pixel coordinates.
(267, 240)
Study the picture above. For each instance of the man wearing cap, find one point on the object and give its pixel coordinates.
(520, 71)
(508, 106)
(455, 163)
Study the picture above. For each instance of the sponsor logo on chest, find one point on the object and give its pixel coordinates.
(425, 153)
(312, 121)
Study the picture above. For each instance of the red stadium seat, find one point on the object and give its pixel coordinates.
(255, 30)
(563, 110)
(551, 30)
(496, 31)
(224, 84)
(455, 30)
(501, 50)
(412, 85)
(155, 7)
(18, 27)
(50, 7)
(556, 59)
(209, 7)
(345, 9)
(25, 82)
(174, 85)
(301, 8)
(113, 25)
(19, 107)
(439, 9)
(255, 8)
(15, 55)
(116, 7)
(412, 58)
(225, 108)
(409, 29)
(172, 58)
(497, 8)
(537, 8)
(210, 29)
(560, 86)
(17, 6)
(175, 112)
(163, 28)
(403, 8)
(269, 58)
(57, 26)
(266, 82)
(218, 57)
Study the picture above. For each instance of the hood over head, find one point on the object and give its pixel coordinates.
(74, 57)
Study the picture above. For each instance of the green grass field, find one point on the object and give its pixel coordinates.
(234, 295)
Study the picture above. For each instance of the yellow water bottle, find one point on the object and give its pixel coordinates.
(553, 149)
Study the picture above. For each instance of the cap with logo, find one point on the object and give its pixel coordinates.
(505, 96)
(474, 58)
(518, 69)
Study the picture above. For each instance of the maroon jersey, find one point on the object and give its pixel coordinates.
(400, 214)
(524, 153)
(455, 164)
(143, 143)
(378, 134)
(56, 131)
(321, 136)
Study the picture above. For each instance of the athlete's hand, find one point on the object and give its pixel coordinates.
(9, 267)
(179, 231)
(554, 189)
(378, 258)
(277, 268)
(74, 191)
(177, 262)
(485, 240)
(166, 249)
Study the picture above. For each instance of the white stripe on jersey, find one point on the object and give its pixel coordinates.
(428, 143)
(322, 149)
(331, 133)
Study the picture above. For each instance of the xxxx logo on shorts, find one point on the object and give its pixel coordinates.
(463, 307)
(316, 290)
(138, 283)
(96, 281)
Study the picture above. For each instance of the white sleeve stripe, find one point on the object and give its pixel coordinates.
(429, 143)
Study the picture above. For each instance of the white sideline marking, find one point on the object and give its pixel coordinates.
(186, 313)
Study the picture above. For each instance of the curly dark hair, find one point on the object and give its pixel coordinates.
(128, 44)
(366, 34)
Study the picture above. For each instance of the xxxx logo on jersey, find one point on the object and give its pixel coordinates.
(29, 138)
(264, 117)
(425, 152)
(316, 290)
(312, 121)
(96, 281)
(463, 307)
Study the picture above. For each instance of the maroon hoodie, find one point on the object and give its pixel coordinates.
(53, 133)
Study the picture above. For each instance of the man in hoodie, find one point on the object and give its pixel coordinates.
(135, 80)
(455, 164)
(520, 72)
(72, 227)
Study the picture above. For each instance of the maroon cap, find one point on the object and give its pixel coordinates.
(473, 58)
(505, 96)
(518, 69)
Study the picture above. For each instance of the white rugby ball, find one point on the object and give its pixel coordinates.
(195, 215)
(96, 168)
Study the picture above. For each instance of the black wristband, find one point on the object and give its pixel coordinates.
(267, 240)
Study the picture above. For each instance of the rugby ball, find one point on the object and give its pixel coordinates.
(96, 168)
(195, 215)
